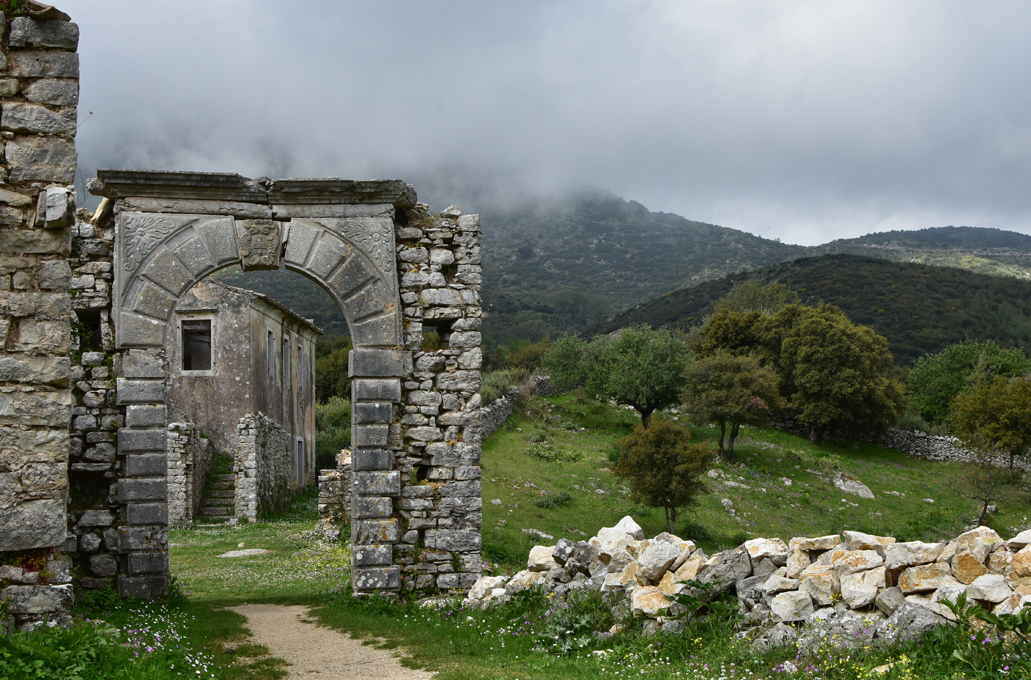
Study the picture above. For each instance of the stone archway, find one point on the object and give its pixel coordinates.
(173, 229)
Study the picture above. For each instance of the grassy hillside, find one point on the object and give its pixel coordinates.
(920, 309)
(576, 494)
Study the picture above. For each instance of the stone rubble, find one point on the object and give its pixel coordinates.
(810, 589)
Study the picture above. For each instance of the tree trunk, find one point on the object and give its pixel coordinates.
(646, 415)
(816, 434)
(984, 512)
(723, 434)
(672, 521)
(734, 427)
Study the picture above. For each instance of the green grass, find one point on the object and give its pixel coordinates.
(810, 506)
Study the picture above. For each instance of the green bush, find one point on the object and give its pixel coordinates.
(496, 383)
(332, 431)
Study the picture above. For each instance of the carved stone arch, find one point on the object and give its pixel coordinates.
(174, 229)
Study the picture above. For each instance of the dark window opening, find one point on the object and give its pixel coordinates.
(436, 336)
(197, 345)
(421, 471)
(271, 355)
(91, 338)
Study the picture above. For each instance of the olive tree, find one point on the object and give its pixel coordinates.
(730, 390)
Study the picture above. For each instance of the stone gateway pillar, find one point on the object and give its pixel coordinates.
(396, 272)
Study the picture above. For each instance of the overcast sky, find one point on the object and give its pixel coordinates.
(806, 121)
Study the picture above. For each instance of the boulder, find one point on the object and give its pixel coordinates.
(990, 588)
(779, 584)
(966, 567)
(889, 599)
(1015, 603)
(924, 577)
(793, 605)
(648, 601)
(1020, 541)
(563, 550)
(822, 583)
(669, 587)
(540, 559)
(979, 542)
(726, 569)
(689, 549)
(484, 585)
(612, 583)
(798, 561)
(910, 553)
(857, 540)
(859, 589)
(625, 526)
(585, 553)
(999, 560)
(691, 567)
(524, 580)
(819, 543)
(947, 553)
(771, 548)
(656, 559)
(849, 484)
(631, 578)
(1020, 564)
(907, 623)
(851, 561)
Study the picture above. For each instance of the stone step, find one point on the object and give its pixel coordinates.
(224, 478)
(220, 493)
(216, 512)
(217, 502)
(223, 485)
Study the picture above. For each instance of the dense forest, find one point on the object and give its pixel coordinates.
(920, 309)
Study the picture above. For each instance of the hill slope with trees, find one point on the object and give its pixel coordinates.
(920, 309)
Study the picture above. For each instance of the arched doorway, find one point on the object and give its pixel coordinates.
(410, 410)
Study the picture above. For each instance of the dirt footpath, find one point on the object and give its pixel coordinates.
(318, 652)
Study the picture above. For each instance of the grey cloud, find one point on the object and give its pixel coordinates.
(801, 120)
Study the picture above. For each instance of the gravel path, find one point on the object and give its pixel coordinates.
(318, 652)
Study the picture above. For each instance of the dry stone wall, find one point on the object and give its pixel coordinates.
(262, 465)
(190, 455)
(835, 589)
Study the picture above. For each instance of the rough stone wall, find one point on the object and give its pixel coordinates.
(39, 72)
(440, 505)
(38, 94)
(262, 465)
(940, 448)
(189, 460)
(335, 496)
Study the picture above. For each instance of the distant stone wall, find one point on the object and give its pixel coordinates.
(939, 448)
(496, 413)
(190, 455)
(262, 465)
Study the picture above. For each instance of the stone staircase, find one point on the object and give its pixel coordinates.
(219, 499)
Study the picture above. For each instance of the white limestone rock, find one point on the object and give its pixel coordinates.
(911, 553)
(656, 559)
(793, 605)
(859, 589)
(772, 548)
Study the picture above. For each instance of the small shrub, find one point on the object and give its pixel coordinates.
(332, 431)
(552, 501)
(546, 451)
(496, 383)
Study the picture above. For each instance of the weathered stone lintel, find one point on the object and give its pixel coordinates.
(373, 579)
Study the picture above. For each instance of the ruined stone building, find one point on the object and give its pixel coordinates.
(102, 325)
(242, 374)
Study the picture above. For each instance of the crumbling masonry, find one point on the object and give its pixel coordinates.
(85, 308)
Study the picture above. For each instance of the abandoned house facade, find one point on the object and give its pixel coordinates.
(242, 382)
(88, 309)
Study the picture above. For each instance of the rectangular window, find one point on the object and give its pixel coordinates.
(271, 356)
(196, 345)
(286, 362)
